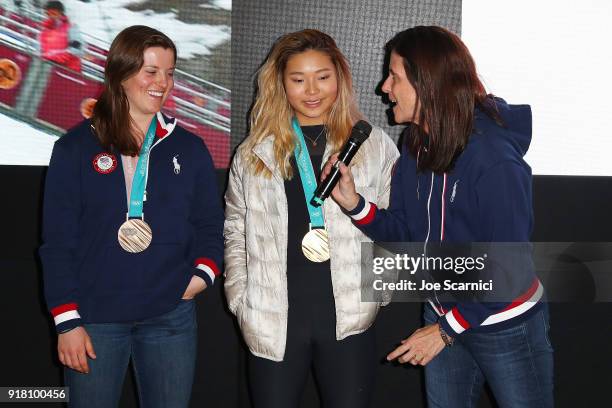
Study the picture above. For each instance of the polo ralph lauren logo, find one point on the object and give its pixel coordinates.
(176, 164)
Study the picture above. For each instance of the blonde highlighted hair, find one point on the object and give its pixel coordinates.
(271, 114)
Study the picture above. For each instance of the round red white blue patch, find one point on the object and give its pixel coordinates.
(105, 163)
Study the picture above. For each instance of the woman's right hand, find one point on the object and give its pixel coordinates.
(73, 348)
(344, 192)
(196, 285)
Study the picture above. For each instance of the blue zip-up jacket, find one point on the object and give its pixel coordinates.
(485, 198)
(88, 277)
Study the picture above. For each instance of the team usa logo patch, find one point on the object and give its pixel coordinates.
(105, 163)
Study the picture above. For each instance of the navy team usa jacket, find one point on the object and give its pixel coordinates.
(485, 198)
(88, 277)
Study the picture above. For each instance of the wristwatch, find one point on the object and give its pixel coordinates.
(448, 340)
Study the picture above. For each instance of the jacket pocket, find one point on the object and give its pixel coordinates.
(242, 322)
(159, 268)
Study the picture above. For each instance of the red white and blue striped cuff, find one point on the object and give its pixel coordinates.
(454, 323)
(66, 317)
(363, 213)
(207, 269)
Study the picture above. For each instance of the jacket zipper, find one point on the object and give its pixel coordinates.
(148, 163)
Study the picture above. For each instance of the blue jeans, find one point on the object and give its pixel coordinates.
(163, 353)
(517, 363)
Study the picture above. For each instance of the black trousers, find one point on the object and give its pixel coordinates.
(344, 370)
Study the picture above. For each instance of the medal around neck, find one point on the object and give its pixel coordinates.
(315, 245)
(134, 235)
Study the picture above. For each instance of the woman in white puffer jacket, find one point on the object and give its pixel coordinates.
(293, 312)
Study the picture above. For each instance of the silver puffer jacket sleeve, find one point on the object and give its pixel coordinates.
(233, 233)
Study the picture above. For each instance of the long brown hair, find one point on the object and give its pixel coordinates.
(271, 113)
(111, 115)
(443, 74)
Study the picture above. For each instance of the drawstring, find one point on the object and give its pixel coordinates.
(428, 214)
(442, 219)
(417, 170)
(443, 209)
(429, 222)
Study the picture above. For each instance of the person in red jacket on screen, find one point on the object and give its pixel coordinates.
(59, 39)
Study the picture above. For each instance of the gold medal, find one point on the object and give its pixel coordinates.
(315, 245)
(134, 235)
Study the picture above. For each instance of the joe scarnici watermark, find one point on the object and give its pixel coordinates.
(385, 268)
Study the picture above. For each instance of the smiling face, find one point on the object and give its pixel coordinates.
(311, 85)
(148, 89)
(401, 92)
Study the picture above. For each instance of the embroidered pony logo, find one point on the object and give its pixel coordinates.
(177, 165)
(454, 192)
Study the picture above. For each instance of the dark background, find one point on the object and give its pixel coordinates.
(566, 209)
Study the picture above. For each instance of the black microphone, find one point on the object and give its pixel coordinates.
(359, 134)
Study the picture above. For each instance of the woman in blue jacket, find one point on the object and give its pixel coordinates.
(132, 231)
(462, 179)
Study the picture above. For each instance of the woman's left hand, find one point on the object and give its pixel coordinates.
(196, 285)
(421, 347)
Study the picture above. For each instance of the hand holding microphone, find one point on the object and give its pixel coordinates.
(344, 192)
(336, 178)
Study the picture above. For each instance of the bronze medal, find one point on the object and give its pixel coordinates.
(134, 235)
(315, 245)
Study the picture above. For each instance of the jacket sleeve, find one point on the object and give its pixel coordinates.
(505, 214)
(61, 212)
(391, 224)
(234, 234)
(207, 219)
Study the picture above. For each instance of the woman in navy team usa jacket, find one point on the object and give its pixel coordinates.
(132, 231)
(461, 179)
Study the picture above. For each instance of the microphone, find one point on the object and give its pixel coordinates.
(359, 134)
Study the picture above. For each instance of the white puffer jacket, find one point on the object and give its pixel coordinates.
(256, 245)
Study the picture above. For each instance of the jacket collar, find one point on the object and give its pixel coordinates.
(265, 151)
(165, 125)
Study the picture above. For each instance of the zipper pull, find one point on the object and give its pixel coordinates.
(144, 198)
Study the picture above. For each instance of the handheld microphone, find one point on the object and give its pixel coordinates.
(359, 134)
